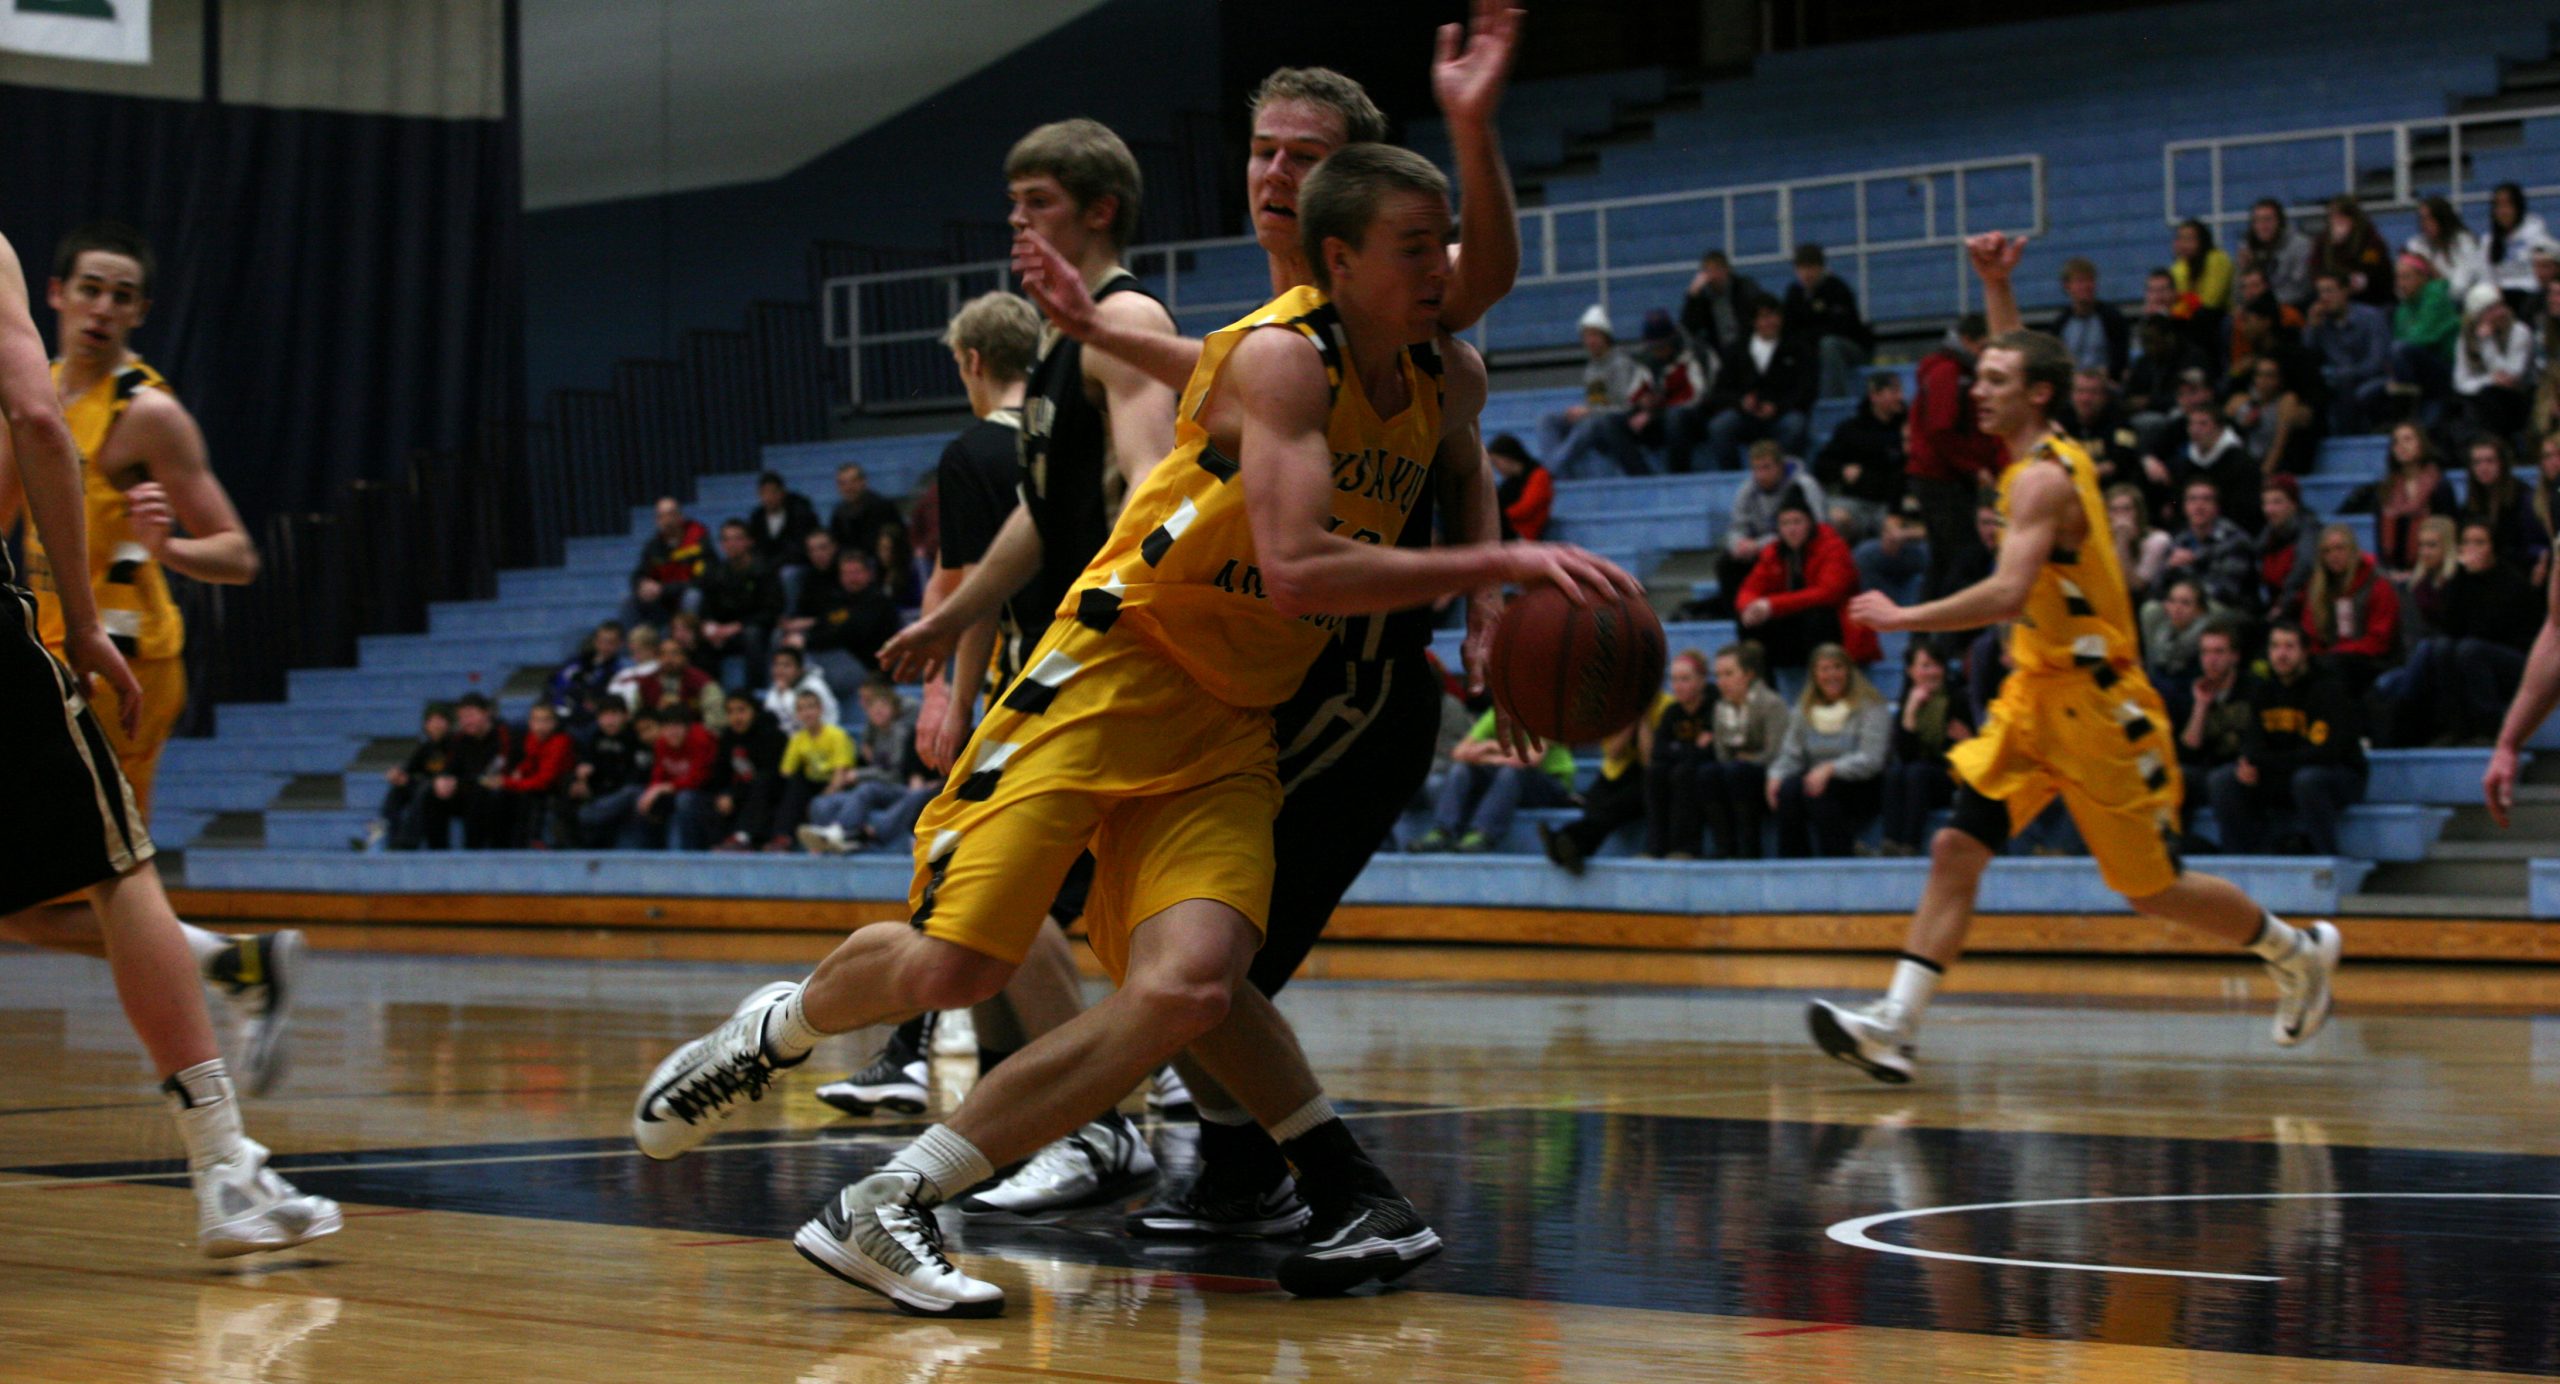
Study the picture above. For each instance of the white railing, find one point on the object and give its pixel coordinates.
(1880, 210)
(2352, 150)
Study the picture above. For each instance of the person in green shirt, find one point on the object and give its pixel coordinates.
(2423, 326)
(1485, 786)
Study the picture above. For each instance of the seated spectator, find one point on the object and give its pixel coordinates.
(2353, 341)
(2201, 275)
(1617, 797)
(889, 790)
(2172, 630)
(2220, 715)
(1486, 787)
(2493, 368)
(860, 515)
(2459, 678)
(1525, 490)
(2214, 551)
(674, 808)
(466, 792)
(2288, 549)
(2352, 249)
(1675, 387)
(2142, 548)
(2413, 488)
(2214, 453)
(1752, 525)
(526, 810)
(791, 676)
(2275, 423)
(1823, 310)
(1795, 598)
(2102, 428)
(902, 578)
(1896, 560)
(1765, 391)
(849, 619)
(2423, 590)
(2448, 247)
(1750, 728)
(677, 683)
(1825, 783)
(1718, 309)
(781, 524)
(2425, 324)
(580, 685)
(1598, 426)
(613, 770)
(641, 662)
(1949, 458)
(1916, 781)
(670, 562)
(2515, 234)
(741, 601)
(2498, 499)
(2277, 251)
(746, 775)
(819, 759)
(2166, 381)
(1861, 466)
(2304, 751)
(2092, 330)
(2350, 612)
(816, 589)
(2249, 285)
(1684, 742)
(402, 816)
(2166, 339)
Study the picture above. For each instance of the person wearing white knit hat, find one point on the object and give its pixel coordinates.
(2493, 363)
(1570, 438)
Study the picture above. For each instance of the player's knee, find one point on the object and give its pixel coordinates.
(1182, 1006)
(1956, 849)
(948, 976)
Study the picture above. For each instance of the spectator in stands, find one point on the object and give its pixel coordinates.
(860, 515)
(2102, 428)
(1794, 599)
(2278, 251)
(1486, 787)
(1720, 305)
(2274, 420)
(1676, 385)
(2220, 714)
(670, 562)
(2304, 751)
(2214, 453)
(2157, 377)
(1598, 426)
(2461, 677)
(2352, 249)
(2500, 500)
(1826, 783)
(2411, 489)
(781, 524)
(640, 663)
(402, 817)
(2201, 275)
(2350, 611)
(1766, 390)
(890, 789)
(2515, 234)
(526, 810)
(1750, 728)
(2162, 303)
(2353, 341)
(1949, 458)
(613, 770)
(741, 601)
(817, 590)
(477, 759)
(2493, 368)
(2448, 247)
(902, 579)
(2423, 591)
(1929, 723)
(678, 683)
(2214, 551)
(1616, 798)
(1684, 743)
(1822, 309)
(1526, 491)
(819, 759)
(850, 618)
(674, 810)
(2425, 324)
(1752, 525)
(791, 676)
(1860, 468)
(2142, 547)
(2288, 548)
(2172, 629)
(1896, 560)
(746, 775)
(580, 685)
(2092, 330)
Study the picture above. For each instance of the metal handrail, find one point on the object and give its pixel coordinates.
(1942, 227)
(2403, 135)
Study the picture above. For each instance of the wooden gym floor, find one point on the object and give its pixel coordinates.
(1636, 1181)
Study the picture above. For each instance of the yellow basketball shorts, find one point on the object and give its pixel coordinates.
(2101, 742)
(164, 696)
(1100, 743)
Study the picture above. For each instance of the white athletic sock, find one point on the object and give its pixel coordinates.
(787, 1034)
(205, 944)
(1304, 1118)
(1915, 983)
(208, 1112)
(949, 1164)
(2277, 940)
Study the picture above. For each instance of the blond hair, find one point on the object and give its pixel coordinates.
(1362, 121)
(1861, 693)
(1090, 162)
(1342, 196)
(1003, 328)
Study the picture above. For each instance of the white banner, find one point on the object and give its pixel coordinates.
(85, 30)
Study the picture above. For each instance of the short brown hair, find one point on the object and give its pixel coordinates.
(1003, 328)
(1341, 197)
(1362, 121)
(2079, 267)
(2042, 358)
(1090, 162)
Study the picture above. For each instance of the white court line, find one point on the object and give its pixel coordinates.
(1854, 1233)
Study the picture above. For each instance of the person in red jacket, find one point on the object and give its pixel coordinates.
(675, 803)
(529, 795)
(1526, 491)
(1794, 599)
(1948, 456)
(2350, 612)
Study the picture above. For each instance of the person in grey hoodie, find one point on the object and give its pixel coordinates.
(1826, 783)
(1753, 523)
(1750, 724)
(1598, 426)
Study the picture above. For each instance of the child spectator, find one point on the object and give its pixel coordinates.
(2350, 613)
(746, 776)
(1794, 599)
(1824, 783)
(529, 795)
(741, 600)
(2304, 751)
(641, 662)
(888, 791)
(820, 758)
(578, 686)
(1916, 781)
(670, 562)
(1683, 745)
(792, 676)
(1614, 799)
(1750, 726)
(1486, 785)
(1526, 491)
(402, 817)
(604, 794)
(673, 811)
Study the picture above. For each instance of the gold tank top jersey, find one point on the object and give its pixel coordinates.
(1180, 569)
(2078, 616)
(132, 592)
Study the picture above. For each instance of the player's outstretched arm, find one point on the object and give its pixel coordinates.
(2037, 501)
(157, 429)
(1995, 256)
(1468, 73)
(1011, 561)
(2536, 695)
(1053, 285)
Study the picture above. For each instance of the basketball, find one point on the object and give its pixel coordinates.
(1572, 674)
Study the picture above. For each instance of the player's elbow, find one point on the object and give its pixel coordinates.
(246, 570)
(1291, 584)
(37, 426)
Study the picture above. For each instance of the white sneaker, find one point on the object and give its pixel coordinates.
(955, 1034)
(1875, 1038)
(2302, 985)
(256, 976)
(824, 840)
(874, 1235)
(243, 1207)
(1169, 1098)
(701, 1083)
(1106, 1161)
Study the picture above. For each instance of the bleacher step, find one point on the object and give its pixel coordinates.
(2413, 905)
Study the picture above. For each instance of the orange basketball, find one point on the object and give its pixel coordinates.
(1573, 674)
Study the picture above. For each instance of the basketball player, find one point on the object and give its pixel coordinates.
(152, 503)
(2076, 716)
(69, 821)
(2536, 694)
(1143, 726)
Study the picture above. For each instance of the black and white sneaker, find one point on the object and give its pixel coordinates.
(704, 1082)
(1207, 1211)
(1169, 1096)
(898, 1080)
(1104, 1162)
(875, 1235)
(1875, 1038)
(2302, 985)
(1379, 1238)
(256, 976)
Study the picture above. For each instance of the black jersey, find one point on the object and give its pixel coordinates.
(1065, 450)
(977, 482)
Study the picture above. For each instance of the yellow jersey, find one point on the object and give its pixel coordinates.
(132, 592)
(1179, 569)
(2078, 616)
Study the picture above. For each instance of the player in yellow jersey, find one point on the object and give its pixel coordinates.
(151, 502)
(1143, 727)
(2076, 717)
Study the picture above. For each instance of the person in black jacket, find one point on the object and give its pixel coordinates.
(2303, 750)
(604, 792)
(1718, 309)
(1861, 466)
(402, 816)
(781, 524)
(1823, 310)
(741, 600)
(2461, 676)
(849, 621)
(746, 778)
(1683, 746)
(2092, 330)
(861, 514)
(1766, 390)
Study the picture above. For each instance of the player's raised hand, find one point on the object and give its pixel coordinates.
(1585, 578)
(147, 509)
(919, 651)
(1876, 611)
(1472, 62)
(92, 654)
(1052, 284)
(1995, 254)
(2498, 785)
